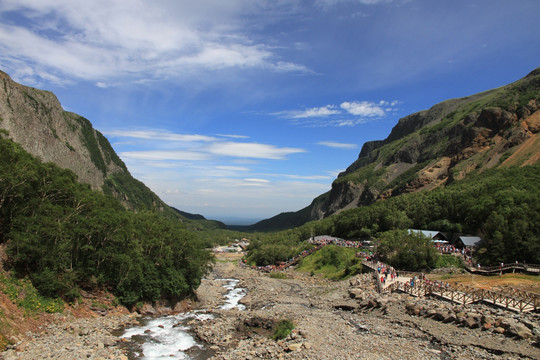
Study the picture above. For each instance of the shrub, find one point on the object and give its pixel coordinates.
(333, 262)
(445, 261)
(283, 329)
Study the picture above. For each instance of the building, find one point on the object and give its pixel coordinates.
(467, 241)
(434, 235)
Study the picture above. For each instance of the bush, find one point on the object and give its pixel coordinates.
(25, 295)
(283, 329)
(445, 261)
(333, 262)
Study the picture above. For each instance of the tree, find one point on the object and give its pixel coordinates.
(407, 250)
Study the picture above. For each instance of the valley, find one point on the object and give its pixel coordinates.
(328, 322)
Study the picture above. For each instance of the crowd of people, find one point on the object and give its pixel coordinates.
(321, 240)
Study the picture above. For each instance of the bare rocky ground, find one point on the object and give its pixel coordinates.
(69, 338)
(329, 324)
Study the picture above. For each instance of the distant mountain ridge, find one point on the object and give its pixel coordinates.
(36, 120)
(431, 148)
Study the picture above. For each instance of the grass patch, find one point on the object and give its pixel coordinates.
(224, 261)
(446, 261)
(277, 275)
(25, 296)
(333, 262)
(283, 329)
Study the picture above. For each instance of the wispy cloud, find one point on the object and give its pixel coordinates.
(316, 112)
(101, 41)
(348, 113)
(337, 145)
(307, 177)
(330, 3)
(198, 147)
(158, 135)
(363, 108)
(232, 136)
(258, 181)
(232, 168)
(251, 150)
(164, 155)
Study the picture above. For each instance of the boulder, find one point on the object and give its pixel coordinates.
(486, 319)
(520, 331)
(451, 317)
(356, 294)
(440, 315)
(471, 323)
(294, 347)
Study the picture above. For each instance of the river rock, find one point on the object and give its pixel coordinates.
(356, 294)
(294, 347)
(520, 331)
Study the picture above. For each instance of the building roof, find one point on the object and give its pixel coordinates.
(470, 240)
(325, 237)
(432, 234)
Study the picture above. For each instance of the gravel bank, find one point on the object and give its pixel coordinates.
(334, 320)
(71, 338)
(331, 325)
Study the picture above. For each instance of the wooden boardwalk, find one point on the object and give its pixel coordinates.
(505, 268)
(511, 299)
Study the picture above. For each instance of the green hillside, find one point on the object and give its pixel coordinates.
(65, 237)
(433, 148)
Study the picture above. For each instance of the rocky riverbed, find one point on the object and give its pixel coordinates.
(349, 320)
(333, 320)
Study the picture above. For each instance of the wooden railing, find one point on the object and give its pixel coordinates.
(489, 270)
(517, 300)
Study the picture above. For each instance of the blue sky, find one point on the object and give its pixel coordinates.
(247, 108)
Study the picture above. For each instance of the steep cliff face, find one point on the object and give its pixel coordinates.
(434, 147)
(35, 119)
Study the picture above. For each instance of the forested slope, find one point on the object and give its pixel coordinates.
(64, 236)
(433, 148)
(500, 205)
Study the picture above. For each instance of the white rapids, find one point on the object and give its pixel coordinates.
(169, 337)
(234, 295)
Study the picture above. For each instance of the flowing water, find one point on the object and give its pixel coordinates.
(170, 337)
(233, 295)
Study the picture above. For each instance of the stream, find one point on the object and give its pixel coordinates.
(171, 337)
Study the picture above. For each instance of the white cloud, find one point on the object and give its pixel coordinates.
(158, 135)
(232, 168)
(251, 150)
(163, 149)
(329, 3)
(307, 177)
(157, 155)
(363, 108)
(257, 181)
(101, 40)
(317, 112)
(234, 136)
(348, 113)
(337, 145)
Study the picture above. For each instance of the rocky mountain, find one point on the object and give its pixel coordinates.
(432, 148)
(36, 120)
